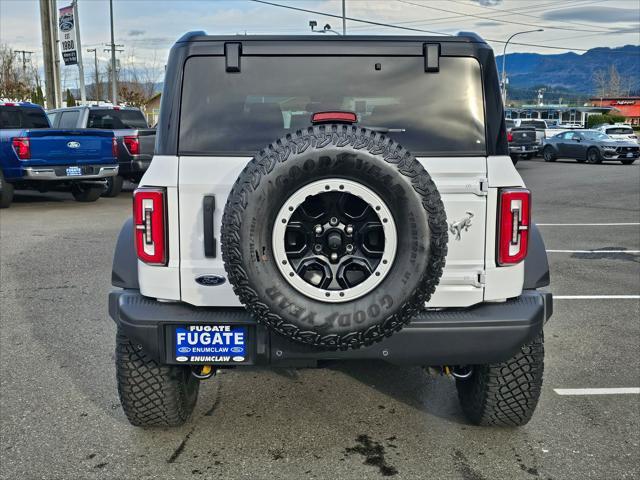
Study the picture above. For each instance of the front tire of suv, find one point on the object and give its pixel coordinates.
(6, 192)
(114, 186)
(549, 155)
(504, 394)
(152, 394)
(86, 193)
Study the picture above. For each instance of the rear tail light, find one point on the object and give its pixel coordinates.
(114, 147)
(22, 147)
(339, 117)
(133, 144)
(509, 137)
(149, 216)
(513, 227)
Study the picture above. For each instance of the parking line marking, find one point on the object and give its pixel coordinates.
(596, 391)
(594, 251)
(596, 297)
(587, 224)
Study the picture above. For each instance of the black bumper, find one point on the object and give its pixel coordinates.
(134, 167)
(486, 333)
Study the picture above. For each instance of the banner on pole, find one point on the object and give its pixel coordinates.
(67, 26)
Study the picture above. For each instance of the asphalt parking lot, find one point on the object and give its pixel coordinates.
(61, 418)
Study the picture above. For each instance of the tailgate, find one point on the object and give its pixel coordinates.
(70, 147)
(523, 137)
(147, 139)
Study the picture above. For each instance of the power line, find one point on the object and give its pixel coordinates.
(483, 17)
(519, 13)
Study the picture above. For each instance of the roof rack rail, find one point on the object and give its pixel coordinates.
(473, 35)
(189, 35)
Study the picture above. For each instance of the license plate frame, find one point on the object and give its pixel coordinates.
(73, 171)
(208, 350)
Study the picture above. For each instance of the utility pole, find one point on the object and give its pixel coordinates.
(344, 17)
(53, 9)
(24, 59)
(49, 54)
(97, 88)
(76, 19)
(113, 68)
(114, 87)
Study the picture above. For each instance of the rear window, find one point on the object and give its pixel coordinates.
(239, 113)
(69, 119)
(620, 131)
(116, 119)
(22, 117)
(533, 123)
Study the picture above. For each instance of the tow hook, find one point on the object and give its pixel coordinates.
(458, 371)
(202, 372)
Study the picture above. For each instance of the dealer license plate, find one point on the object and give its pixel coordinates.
(74, 171)
(210, 344)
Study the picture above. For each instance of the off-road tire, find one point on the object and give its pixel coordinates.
(548, 155)
(86, 193)
(6, 192)
(152, 394)
(593, 156)
(628, 161)
(114, 186)
(330, 151)
(506, 393)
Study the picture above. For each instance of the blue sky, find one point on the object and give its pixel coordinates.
(148, 28)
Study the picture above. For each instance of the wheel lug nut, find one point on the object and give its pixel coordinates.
(318, 229)
(333, 221)
(317, 247)
(349, 248)
(349, 229)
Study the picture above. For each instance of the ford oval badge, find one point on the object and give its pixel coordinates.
(210, 280)
(73, 144)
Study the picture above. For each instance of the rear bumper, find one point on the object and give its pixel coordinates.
(88, 172)
(523, 149)
(135, 167)
(485, 333)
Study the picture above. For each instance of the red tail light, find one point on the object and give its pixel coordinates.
(509, 137)
(114, 147)
(22, 147)
(340, 117)
(133, 144)
(513, 226)
(150, 223)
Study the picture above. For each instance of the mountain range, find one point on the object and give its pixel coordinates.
(571, 71)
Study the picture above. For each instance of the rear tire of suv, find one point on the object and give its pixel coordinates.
(506, 393)
(343, 193)
(86, 193)
(6, 192)
(549, 155)
(152, 394)
(114, 186)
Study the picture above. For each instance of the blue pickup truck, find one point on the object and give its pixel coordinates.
(37, 157)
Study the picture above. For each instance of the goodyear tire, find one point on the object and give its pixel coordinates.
(334, 236)
(152, 394)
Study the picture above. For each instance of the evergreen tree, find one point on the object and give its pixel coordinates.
(71, 102)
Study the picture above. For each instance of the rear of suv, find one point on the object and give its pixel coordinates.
(337, 199)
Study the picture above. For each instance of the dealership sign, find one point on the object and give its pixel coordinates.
(67, 26)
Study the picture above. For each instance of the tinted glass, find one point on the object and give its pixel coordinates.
(69, 119)
(116, 119)
(52, 118)
(533, 123)
(437, 113)
(620, 131)
(510, 123)
(22, 117)
(595, 136)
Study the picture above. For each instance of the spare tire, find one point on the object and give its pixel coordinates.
(334, 236)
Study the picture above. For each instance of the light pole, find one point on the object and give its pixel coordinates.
(504, 56)
(114, 86)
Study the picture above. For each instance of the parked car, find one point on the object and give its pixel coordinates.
(590, 146)
(331, 242)
(522, 143)
(35, 156)
(620, 132)
(136, 140)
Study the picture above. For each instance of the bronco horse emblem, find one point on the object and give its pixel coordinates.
(457, 227)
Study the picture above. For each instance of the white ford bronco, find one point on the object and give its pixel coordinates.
(315, 199)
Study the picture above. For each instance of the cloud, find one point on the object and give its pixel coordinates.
(594, 14)
(487, 24)
(488, 3)
(136, 33)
